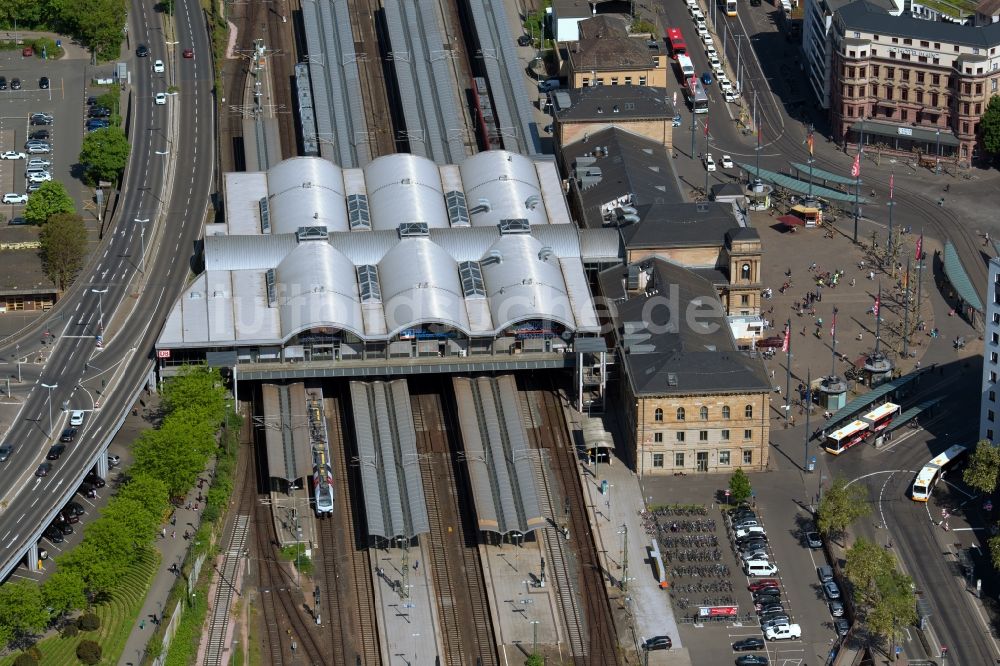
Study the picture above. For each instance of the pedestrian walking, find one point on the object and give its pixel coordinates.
(416, 564)
(163, 533)
(142, 624)
(173, 534)
(173, 519)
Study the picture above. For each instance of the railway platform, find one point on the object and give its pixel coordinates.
(294, 520)
(525, 614)
(405, 606)
(618, 530)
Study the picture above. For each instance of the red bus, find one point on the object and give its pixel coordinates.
(677, 44)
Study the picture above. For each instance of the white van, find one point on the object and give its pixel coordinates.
(757, 568)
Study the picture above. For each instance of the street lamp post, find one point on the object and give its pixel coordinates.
(50, 387)
(937, 163)
(100, 307)
(142, 242)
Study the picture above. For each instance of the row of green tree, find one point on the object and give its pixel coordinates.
(983, 474)
(98, 24)
(167, 463)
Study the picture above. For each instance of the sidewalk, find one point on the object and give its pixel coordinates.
(173, 549)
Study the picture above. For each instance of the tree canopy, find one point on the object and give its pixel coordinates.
(105, 153)
(63, 248)
(48, 200)
(97, 23)
(21, 610)
(984, 467)
(989, 126)
(841, 505)
(883, 596)
(739, 486)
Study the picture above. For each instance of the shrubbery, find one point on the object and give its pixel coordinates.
(89, 622)
(89, 652)
(25, 659)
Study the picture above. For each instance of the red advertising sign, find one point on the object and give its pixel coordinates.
(718, 611)
(162, 353)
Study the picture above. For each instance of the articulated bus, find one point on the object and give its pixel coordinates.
(879, 419)
(697, 97)
(678, 46)
(730, 7)
(924, 484)
(839, 441)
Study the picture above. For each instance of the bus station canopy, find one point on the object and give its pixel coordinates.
(863, 402)
(912, 413)
(796, 185)
(959, 278)
(820, 174)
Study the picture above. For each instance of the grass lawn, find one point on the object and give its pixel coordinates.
(118, 616)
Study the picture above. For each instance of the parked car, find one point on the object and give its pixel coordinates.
(158, 66)
(813, 540)
(15, 84)
(772, 610)
(53, 534)
(3, 83)
(772, 623)
(783, 632)
(15, 198)
(677, 120)
(524, 40)
(33, 187)
(765, 594)
(113, 460)
(748, 644)
(41, 119)
(706, 78)
(658, 643)
(68, 435)
(43, 83)
(40, 135)
(76, 417)
(755, 532)
(765, 601)
(39, 176)
(731, 95)
(99, 112)
(841, 626)
(69, 516)
(88, 490)
(94, 479)
(831, 590)
(752, 660)
(43, 469)
(91, 101)
(825, 573)
(75, 508)
(757, 585)
(5, 451)
(38, 148)
(836, 608)
(56, 451)
(63, 527)
(39, 162)
(12, 155)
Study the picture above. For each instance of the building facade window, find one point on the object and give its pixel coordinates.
(658, 414)
(657, 460)
(680, 413)
(725, 410)
(724, 435)
(678, 460)
(680, 437)
(702, 435)
(747, 457)
(724, 457)
(658, 437)
(748, 411)
(703, 413)
(748, 434)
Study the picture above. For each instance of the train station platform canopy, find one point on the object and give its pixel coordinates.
(820, 174)
(796, 185)
(286, 432)
(959, 278)
(395, 506)
(864, 401)
(501, 466)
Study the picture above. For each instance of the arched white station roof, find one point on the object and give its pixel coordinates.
(379, 250)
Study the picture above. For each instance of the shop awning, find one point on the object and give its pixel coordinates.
(792, 221)
(904, 132)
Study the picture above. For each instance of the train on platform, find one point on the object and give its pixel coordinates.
(322, 478)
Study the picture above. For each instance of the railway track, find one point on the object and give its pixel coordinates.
(596, 627)
(281, 41)
(368, 41)
(288, 637)
(452, 551)
(347, 595)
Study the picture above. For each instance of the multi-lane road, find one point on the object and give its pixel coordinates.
(131, 302)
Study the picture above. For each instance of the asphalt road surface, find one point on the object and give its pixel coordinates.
(75, 361)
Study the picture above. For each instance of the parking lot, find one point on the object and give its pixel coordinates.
(801, 595)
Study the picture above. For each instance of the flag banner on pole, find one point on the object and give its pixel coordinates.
(833, 324)
(890, 185)
(878, 304)
(758, 135)
(786, 341)
(809, 142)
(920, 248)
(856, 167)
(706, 126)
